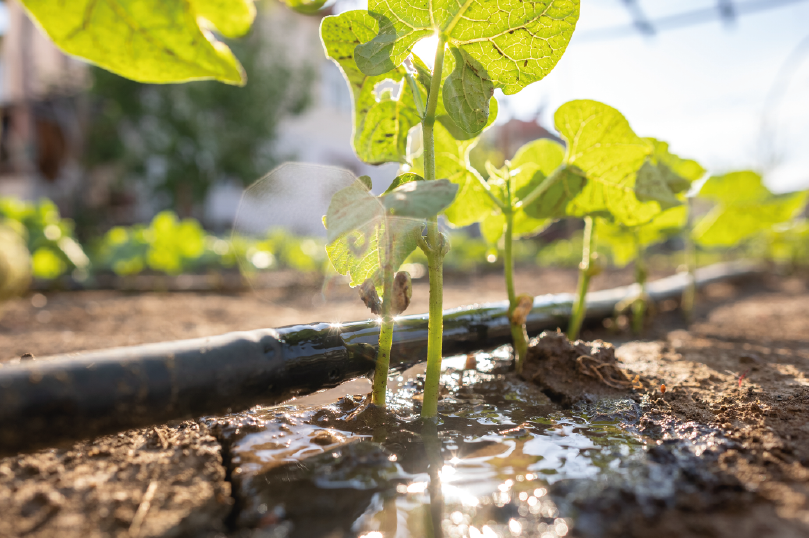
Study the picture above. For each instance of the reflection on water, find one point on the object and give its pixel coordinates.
(484, 471)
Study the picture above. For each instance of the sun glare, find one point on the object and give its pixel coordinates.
(425, 49)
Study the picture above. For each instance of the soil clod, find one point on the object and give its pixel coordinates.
(571, 371)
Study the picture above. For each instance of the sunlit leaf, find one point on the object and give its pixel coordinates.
(517, 42)
(381, 123)
(155, 41)
(306, 7)
(678, 173)
(603, 146)
(352, 208)
(652, 185)
(729, 224)
(357, 222)
(534, 162)
(735, 188)
(419, 199)
(357, 254)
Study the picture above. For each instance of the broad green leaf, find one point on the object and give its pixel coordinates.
(466, 93)
(735, 188)
(352, 208)
(729, 224)
(651, 185)
(678, 173)
(442, 116)
(230, 18)
(622, 241)
(357, 254)
(153, 41)
(402, 179)
(380, 124)
(534, 162)
(517, 42)
(383, 136)
(306, 7)
(419, 199)
(603, 146)
(357, 221)
(553, 204)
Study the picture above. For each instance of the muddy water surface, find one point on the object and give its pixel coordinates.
(487, 469)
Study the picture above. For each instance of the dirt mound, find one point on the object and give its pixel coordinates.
(572, 371)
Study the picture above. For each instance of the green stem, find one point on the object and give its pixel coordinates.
(690, 290)
(380, 386)
(639, 306)
(518, 334)
(435, 253)
(580, 307)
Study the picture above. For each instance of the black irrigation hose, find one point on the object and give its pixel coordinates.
(64, 398)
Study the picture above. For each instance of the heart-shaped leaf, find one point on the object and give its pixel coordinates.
(514, 42)
(419, 199)
(381, 124)
(604, 147)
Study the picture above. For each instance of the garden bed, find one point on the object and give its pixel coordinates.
(740, 466)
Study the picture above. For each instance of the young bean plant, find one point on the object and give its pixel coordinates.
(674, 175)
(595, 174)
(369, 237)
(481, 46)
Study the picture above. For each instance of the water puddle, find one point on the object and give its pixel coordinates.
(324, 467)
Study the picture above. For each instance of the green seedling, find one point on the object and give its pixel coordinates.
(481, 46)
(370, 236)
(743, 208)
(788, 244)
(597, 174)
(629, 243)
(49, 238)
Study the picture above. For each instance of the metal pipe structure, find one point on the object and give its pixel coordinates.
(64, 398)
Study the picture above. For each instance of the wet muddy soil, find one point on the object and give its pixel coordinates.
(710, 439)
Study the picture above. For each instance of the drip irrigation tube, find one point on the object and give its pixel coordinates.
(64, 398)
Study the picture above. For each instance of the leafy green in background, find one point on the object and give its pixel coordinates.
(49, 238)
(744, 207)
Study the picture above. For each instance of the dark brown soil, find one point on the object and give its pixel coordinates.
(739, 379)
(743, 370)
(164, 481)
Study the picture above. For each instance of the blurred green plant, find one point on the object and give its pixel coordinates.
(15, 261)
(743, 208)
(49, 238)
(172, 246)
